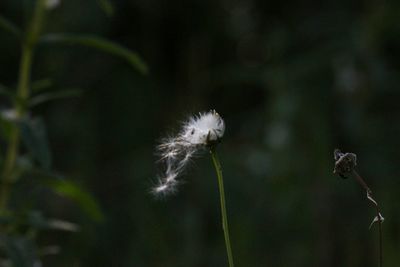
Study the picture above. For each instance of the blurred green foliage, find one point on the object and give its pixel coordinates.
(292, 80)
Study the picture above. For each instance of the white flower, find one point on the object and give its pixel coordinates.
(197, 133)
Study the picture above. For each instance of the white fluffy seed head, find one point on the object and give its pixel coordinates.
(176, 152)
(202, 129)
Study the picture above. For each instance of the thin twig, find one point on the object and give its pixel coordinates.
(345, 163)
(379, 218)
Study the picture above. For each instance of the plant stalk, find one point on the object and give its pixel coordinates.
(22, 96)
(225, 228)
(361, 181)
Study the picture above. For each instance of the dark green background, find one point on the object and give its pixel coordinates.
(292, 80)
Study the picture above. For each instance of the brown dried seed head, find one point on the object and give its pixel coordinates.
(345, 163)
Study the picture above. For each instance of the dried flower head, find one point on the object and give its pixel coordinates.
(345, 163)
(197, 133)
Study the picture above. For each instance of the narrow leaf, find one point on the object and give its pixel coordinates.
(40, 85)
(38, 221)
(45, 97)
(62, 225)
(33, 133)
(72, 191)
(10, 27)
(101, 44)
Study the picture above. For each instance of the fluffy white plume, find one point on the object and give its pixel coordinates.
(176, 152)
(204, 128)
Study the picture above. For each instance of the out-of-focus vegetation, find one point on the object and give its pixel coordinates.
(292, 80)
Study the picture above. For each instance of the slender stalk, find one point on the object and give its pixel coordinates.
(218, 170)
(380, 239)
(9, 163)
(22, 96)
(361, 181)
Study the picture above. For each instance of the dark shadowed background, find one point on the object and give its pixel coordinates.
(292, 81)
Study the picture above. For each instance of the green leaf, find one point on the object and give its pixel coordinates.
(10, 27)
(101, 44)
(72, 191)
(62, 225)
(38, 221)
(33, 133)
(106, 6)
(45, 97)
(41, 85)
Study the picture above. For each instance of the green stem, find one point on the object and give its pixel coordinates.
(218, 169)
(22, 96)
(9, 163)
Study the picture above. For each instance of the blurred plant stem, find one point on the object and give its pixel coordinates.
(218, 169)
(20, 103)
